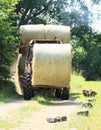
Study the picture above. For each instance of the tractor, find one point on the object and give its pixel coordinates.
(45, 59)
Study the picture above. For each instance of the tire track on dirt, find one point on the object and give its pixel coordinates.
(38, 120)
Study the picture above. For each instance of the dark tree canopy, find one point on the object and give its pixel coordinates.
(68, 12)
(87, 52)
(39, 11)
(77, 13)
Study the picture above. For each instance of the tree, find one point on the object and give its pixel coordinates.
(71, 12)
(76, 13)
(80, 12)
(39, 11)
(8, 35)
(79, 16)
(87, 52)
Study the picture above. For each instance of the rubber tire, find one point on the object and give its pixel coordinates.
(58, 93)
(27, 87)
(65, 94)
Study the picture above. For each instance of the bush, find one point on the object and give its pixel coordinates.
(8, 37)
(8, 89)
(87, 53)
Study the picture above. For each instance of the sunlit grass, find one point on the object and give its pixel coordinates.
(15, 117)
(8, 92)
(78, 83)
(6, 125)
(80, 122)
(93, 121)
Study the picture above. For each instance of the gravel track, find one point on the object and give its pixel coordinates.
(37, 121)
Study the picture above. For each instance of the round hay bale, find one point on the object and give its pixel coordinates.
(40, 31)
(29, 32)
(51, 65)
(59, 32)
(21, 63)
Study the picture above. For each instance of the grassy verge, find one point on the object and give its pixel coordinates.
(80, 122)
(8, 92)
(93, 121)
(15, 117)
(78, 83)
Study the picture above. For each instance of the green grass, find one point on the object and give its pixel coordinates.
(8, 92)
(93, 121)
(6, 125)
(45, 97)
(78, 83)
(15, 117)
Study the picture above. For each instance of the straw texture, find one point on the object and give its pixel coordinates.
(21, 63)
(60, 32)
(51, 65)
(29, 32)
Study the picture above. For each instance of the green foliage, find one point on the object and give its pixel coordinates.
(76, 13)
(87, 52)
(8, 92)
(80, 122)
(67, 12)
(38, 11)
(86, 45)
(8, 89)
(93, 117)
(95, 1)
(8, 37)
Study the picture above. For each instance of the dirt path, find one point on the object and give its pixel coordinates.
(38, 120)
(5, 108)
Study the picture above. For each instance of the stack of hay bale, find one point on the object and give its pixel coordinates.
(51, 64)
(40, 31)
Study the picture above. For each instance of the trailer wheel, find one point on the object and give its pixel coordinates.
(27, 87)
(65, 94)
(58, 93)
